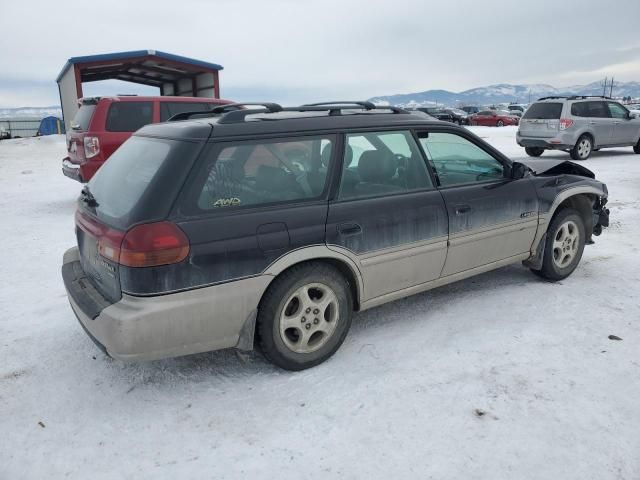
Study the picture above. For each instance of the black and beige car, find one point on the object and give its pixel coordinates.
(270, 226)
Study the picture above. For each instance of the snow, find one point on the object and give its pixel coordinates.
(499, 376)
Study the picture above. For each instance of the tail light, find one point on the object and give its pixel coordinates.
(91, 147)
(146, 245)
(565, 123)
(153, 244)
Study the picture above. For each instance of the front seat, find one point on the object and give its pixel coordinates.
(376, 171)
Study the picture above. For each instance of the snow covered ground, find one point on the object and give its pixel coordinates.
(501, 376)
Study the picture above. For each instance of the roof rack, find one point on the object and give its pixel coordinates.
(233, 113)
(573, 97)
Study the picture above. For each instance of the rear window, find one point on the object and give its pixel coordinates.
(544, 111)
(129, 116)
(140, 164)
(83, 117)
(169, 109)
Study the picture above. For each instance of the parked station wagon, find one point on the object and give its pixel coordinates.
(271, 225)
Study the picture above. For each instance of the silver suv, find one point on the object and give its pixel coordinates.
(578, 125)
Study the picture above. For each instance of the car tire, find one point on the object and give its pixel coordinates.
(636, 147)
(534, 151)
(499, 123)
(304, 316)
(582, 149)
(566, 238)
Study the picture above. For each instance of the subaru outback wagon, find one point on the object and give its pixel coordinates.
(271, 225)
(578, 125)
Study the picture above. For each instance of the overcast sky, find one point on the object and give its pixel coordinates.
(292, 51)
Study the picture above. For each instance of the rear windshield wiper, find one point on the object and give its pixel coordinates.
(88, 197)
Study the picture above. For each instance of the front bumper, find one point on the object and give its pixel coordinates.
(171, 325)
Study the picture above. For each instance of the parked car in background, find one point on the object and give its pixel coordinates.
(470, 109)
(102, 124)
(270, 226)
(634, 108)
(578, 125)
(437, 112)
(493, 118)
(459, 116)
(517, 109)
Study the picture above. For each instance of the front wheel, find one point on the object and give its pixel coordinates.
(582, 149)
(564, 245)
(636, 147)
(534, 151)
(304, 316)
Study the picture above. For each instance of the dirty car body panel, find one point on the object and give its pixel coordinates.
(227, 248)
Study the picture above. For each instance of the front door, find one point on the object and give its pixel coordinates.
(625, 130)
(387, 213)
(491, 217)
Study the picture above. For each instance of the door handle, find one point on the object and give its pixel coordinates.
(592, 123)
(616, 123)
(462, 209)
(347, 229)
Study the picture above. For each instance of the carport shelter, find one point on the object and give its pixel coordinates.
(172, 74)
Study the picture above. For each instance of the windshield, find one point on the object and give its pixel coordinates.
(544, 111)
(137, 167)
(83, 118)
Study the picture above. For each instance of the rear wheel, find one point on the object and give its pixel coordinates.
(500, 123)
(304, 317)
(534, 151)
(564, 245)
(636, 147)
(582, 149)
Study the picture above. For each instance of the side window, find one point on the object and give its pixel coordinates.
(128, 116)
(617, 111)
(382, 163)
(457, 161)
(597, 109)
(263, 172)
(579, 109)
(169, 109)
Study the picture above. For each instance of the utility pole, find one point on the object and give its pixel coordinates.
(611, 89)
(604, 87)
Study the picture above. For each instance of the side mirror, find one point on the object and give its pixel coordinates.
(518, 170)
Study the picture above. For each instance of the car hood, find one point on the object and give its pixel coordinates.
(544, 166)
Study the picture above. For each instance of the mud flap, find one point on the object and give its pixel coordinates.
(247, 334)
(535, 262)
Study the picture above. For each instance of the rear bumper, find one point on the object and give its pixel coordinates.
(560, 141)
(150, 328)
(71, 170)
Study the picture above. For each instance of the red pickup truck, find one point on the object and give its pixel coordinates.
(102, 124)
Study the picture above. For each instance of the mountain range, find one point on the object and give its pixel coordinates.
(503, 93)
(31, 112)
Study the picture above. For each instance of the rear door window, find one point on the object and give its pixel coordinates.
(83, 118)
(382, 163)
(169, 109)
(253, 173)
(129, 116)
(543, 111)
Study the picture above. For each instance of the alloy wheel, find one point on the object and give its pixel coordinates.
(566, 244)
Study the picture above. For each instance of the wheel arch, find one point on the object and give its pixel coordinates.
(320, 253)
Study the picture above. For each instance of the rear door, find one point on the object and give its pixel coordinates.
(599, 121)
(541, 120)
(387, 213)
(122, 118)
(249, 202)
(626, 130)
(491, 217)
